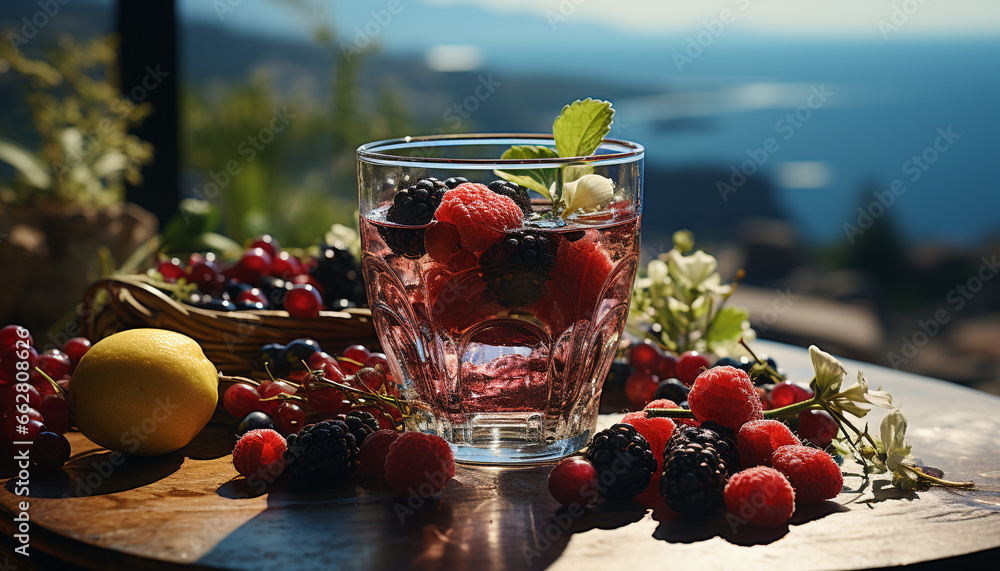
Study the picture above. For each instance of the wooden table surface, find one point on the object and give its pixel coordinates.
(191, 509)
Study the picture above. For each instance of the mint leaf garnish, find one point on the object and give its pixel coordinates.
(539, 180)
(581, 127)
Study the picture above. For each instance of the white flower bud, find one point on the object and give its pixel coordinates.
(589, 193)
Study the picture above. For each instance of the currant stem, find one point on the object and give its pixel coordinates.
(921, 475)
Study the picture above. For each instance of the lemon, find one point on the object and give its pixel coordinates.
(144, 391)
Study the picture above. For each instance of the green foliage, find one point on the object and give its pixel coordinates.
(82, 124)
(680, 303)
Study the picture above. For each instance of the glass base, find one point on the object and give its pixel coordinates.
(502, 452)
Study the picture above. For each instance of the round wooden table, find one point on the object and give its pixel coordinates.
(191, 509)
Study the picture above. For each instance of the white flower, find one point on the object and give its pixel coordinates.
(855, 398)
(589, 193)
(897, 451)
(829, 372)
(691, 270)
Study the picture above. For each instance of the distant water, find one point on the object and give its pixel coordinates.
(885, 103)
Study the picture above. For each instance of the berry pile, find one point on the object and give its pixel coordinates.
(267, 277)
(33, 389)
(307, 384)
(331, 451)
(727, 457)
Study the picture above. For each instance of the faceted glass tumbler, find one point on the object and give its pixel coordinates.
(500, 336)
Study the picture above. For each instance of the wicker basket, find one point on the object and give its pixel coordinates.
(231, 340)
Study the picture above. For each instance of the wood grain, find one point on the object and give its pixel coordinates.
(191, 509)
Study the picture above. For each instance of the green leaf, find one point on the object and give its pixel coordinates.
(728, 324)
(539, 180)
(581, 127)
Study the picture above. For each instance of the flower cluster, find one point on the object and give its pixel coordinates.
(681, 303)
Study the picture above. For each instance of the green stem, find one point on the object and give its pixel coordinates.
(921, 475)
(793, 408)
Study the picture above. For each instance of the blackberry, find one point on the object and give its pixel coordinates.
(671, 389)
(624, 461)
(727, 362)
(724, 440)
(694, 472)
(361, 424)
(513, 191)
(412, 206)
(455, 181)
(516, 268)
(339, 274)
(322, 453)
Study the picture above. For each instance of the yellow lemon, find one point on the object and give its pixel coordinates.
(144, 391)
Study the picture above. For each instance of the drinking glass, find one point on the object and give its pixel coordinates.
(499, 337)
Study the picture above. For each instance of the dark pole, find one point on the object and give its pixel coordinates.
(148, 59)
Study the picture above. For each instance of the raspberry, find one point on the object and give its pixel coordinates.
(573, 481)
(582, 267)
(481, 216)
(725, 395)
(813, 473)
(657, 432)
(419, 464)
(667, 403)
(761, 495)
(259, 454)
(374, 451)
(758, 439)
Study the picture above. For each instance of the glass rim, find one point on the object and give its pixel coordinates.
(368, 152)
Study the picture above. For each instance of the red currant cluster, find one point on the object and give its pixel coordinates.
(33, 390)
(267, 277)
(655, 374)
(322, 387)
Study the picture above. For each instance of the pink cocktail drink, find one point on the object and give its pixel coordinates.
(499, 319)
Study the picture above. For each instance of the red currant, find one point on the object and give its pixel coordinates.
(357, 353)
(320, 359)
(303, 302)
(377, 360)
(666, 368)
(171, 270)
(240, 400)
(333, 372)
(50, 450)
(644, 358)
(372, 379)
(14, 333)
(328, 400)
(690, 365)
(256, 261)
(17, 430)
(640, 388)
(573, 481)
(286, 266)
(267, 243)
(55, 363)
(289, 418)
(272, 390)
(12, 357)
(55, 410)
(787, 392)
(75, 348)
(207, 276)
(818, 427)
